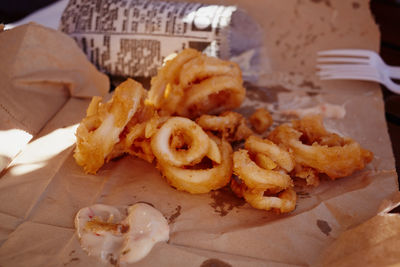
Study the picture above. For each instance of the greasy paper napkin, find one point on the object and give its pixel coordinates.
(43, 188)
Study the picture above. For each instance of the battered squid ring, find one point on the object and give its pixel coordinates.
(213, 94)
(198, 181)
(202, 67)
(313, 130)
(229, 125)
(134, 143)
(335, 161)
(169, 74)
(192, 84)
(261, 120)
(99, 131)
(195, 138)
(282, 157)
(310, 175)
(284, 202)
(256, 177)
(135, 138)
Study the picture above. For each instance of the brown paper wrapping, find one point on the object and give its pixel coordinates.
(374, 242)
(40, 70)
(43, 188)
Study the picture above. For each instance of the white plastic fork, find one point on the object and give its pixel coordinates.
(357, 64)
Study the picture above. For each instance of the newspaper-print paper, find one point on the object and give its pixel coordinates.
(132, 38)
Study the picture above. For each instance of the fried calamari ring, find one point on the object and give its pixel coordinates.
(134, 143)
(307, 173)
(133, 139)
(279, 201)
(336, 161)
(282, 157)
(284, 202)
(154, 124)
(191, 84)
(255, 176)
(215, 94)
(229, 125)
(264, 161)
(261, 120)
(192, 147)
(313, 130)
(204, 67)
(169, 74)
(141, 148)
(214, 152)
(201, 180)
(264, 175)
(237, 186)
(99, 131)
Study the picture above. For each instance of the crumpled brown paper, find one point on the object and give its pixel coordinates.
(43, 188)
(40, 70)
(372, 243)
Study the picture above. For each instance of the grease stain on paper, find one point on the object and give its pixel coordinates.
(324, 227)
(224, 201)
(326, 2)
(215, 263)
(310, 84)
(303, 194)
(71, 261)
(355, 5)
(175, 215)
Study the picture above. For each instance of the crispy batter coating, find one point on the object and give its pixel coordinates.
(284, 201)
(99, 131)
(133, 139)
(266, 147)
(312, 146)
(169, 74)
(201, 178)
(256, 177)
(261, 120)
(310, 175)
(229, 125)
(192, 84)
(179, 142)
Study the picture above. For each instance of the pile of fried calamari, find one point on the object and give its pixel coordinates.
(171, 125)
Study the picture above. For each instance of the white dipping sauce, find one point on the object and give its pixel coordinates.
(114, 237)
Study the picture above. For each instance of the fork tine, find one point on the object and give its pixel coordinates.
(349, 77)
(345, 52)
(356, 73)
(359, 70)
(353, 71)
(353, 74)
(367, 70)
(342, 60)
(345, 67)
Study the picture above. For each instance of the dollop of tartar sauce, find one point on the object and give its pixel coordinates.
(120, 237)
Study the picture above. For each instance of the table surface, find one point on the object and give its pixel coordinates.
(386, 13)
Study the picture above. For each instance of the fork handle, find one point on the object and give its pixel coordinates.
(394, 72)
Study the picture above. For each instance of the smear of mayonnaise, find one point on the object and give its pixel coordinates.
(114, 237)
